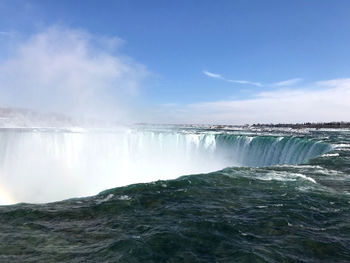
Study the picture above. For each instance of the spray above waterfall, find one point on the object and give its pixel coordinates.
(72, 72)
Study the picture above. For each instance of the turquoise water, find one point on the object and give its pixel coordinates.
(284, 198)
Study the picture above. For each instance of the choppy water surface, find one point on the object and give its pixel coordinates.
(283, 197)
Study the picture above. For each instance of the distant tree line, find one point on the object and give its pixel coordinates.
(317, 125)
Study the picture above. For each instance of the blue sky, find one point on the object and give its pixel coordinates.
(197, 53)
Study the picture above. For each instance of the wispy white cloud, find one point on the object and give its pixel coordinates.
(326, 101)
(334, 83)
(289, 82)
(213, 75)
(218, 76)
(69, 71)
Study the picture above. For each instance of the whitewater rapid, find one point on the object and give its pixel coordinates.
(44, 165)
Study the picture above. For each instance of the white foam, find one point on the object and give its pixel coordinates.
(306, 178)
(330, 155)
(342, 145)
(285, 176)
(108, 197)
(124, 198)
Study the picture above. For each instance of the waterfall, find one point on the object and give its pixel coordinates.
(50, 165)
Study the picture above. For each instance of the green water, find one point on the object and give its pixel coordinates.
(281, 213)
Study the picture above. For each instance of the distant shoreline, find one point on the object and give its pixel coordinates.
(306, 125)
(318, 125)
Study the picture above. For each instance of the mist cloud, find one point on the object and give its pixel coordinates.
(70, 71)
